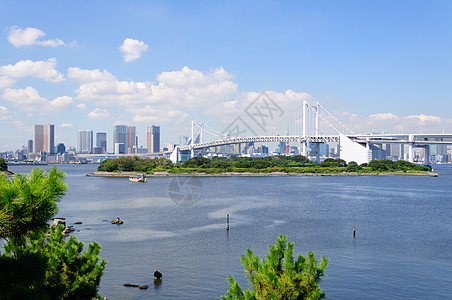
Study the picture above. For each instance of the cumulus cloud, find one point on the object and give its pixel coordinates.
(383, 117)
(37, 69)
(99, 113)
(150, 114)
(391, 123)
(132, 49)
(28, 100)
(29, 36)
(82, 75)
(184, 89)
(5, 82)
(67, 125)
(4, 113)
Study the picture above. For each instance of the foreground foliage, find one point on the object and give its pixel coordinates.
(3, 165)
(31, 265)
(277, 163)
(279, 275)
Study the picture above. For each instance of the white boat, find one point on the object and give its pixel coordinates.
(140, 178)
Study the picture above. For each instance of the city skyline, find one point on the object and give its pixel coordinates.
(169, 63)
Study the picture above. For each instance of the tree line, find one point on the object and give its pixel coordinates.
(278, 163)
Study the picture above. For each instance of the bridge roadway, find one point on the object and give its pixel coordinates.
(264, 139)
(416, 139)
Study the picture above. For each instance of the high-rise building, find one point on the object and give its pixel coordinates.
(153, 139)
(44, 138)
(38, 138)
(60, 148)
(30, 146)
(131, 139)
(101, 141)
(120, 136)
(85, 141)
(49, 138)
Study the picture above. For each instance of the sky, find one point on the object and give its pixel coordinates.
(375, 65)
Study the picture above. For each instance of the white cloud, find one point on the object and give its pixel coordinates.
(423, 119)
(99, 113)
(22, 126)
(5, 82)
(81, 106)
(383, 117)
(4, 113)
(391, 123)
(82, 75)
(67, 125)
(28, 100)
(132, 49)
(29, 36)
(38, 69)
(150, 114)
(185, 88)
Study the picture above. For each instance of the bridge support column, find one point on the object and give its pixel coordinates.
(317, 152)
(410, 148)
(427, 155)
(402, 152)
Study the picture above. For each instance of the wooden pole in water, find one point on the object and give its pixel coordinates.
(227, 227)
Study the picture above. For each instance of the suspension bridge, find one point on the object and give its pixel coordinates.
(305, 126)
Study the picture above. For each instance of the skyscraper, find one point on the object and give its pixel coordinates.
(44, 138)
(120, 136)
(153, 139)
(85, 141)
(131, 139)
(49, 138)
(101, 141)
(38, 138)
(30, 146)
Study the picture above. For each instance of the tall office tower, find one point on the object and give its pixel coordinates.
(49, 138)
(60, 148)
(153, 139)
(30, 146)
(85, 141)
(120, 134)
(101, 141)
(38, 138)
(131, 139)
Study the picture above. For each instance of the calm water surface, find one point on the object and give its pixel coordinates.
(402, 248)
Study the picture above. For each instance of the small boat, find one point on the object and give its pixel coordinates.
(140, 178)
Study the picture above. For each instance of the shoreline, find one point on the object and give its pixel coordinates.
(248, 174)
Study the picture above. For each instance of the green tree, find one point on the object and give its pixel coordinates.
(28, 202)
(31, 266)
(3, 165)
(280, 276)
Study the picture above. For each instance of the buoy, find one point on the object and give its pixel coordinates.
(354, 232)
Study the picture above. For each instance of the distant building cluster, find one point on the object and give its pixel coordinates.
(124, 141)
(42, 148)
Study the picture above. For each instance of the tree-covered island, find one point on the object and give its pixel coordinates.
(279, 164)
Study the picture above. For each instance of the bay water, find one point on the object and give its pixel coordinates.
(402, 248)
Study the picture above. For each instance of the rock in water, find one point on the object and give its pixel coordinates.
(117, 221)
(157, 274)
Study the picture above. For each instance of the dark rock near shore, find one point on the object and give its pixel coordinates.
(78, 223)
(157, 274)
(117, 221)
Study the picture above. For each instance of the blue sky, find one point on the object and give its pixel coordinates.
(376, 65)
